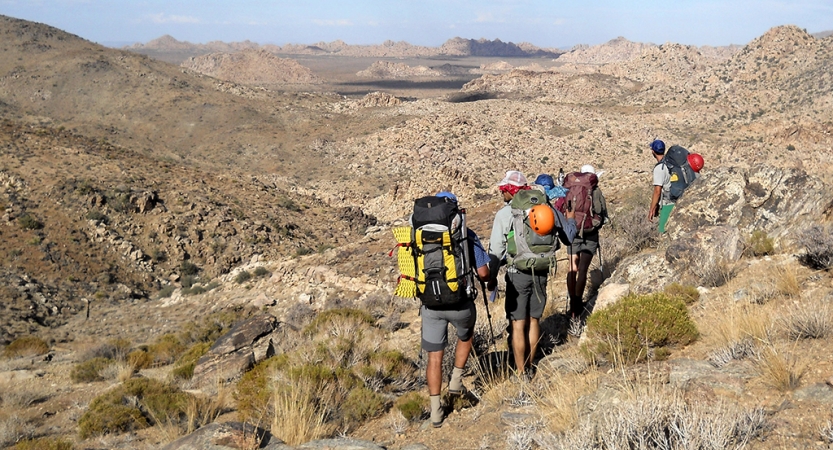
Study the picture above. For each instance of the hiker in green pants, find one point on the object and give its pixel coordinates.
(661, 203)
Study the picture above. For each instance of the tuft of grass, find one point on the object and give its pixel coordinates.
(738, 333)
(628, 330)
(760, 244)
(19, 395)
(787, 282)
(26, 346)
(780, 370)
(811, 320)
(818, 247)
(297, 416)
(166, 291)
(557, 398)
(687, 293)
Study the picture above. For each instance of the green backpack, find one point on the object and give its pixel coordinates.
(527, 250)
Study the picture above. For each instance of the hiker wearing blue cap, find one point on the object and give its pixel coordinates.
(661, 203)
(463, 316)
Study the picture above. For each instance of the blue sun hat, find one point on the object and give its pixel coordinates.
(545, 180)
(658, 147)
(448, 195)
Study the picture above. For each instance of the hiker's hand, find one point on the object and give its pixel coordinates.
(570, 214)
(492, 284)
(651, 214)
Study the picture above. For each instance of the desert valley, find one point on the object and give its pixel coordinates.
(196, 242)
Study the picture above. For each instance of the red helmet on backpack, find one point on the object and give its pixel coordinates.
(695, 161)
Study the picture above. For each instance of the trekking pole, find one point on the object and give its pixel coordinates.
(601, 261)
(488, 313)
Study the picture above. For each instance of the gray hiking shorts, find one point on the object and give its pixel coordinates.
(589, 243)
(526, 295)
(435, 325)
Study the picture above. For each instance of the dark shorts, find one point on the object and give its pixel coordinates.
(526, 295)
(588, 243)
(435, 325)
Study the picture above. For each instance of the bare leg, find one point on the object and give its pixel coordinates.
(434, 372)
(519, 343)
(461, 355)
(584, 259)
(534, 337)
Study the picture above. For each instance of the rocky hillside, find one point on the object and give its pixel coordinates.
(386, 69)
(250, 66)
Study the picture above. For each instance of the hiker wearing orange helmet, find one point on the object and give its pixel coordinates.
(526, 285)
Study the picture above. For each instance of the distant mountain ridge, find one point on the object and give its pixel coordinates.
(453, 47)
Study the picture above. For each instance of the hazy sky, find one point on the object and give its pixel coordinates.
(424, 22)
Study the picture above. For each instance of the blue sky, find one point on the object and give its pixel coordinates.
(424, 22)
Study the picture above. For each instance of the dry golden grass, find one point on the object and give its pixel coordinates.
(735, 322)
(812, 319)
(780, 369)
(557, 396)
(297, 418)
(787, 281)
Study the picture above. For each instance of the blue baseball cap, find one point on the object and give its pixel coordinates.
(658, 147)
(545, 180)
(447, 194)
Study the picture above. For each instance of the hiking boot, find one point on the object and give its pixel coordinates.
(461, 391)
(437, 413)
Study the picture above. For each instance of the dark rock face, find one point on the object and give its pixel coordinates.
(237, 351)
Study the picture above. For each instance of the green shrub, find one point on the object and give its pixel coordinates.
(29, 222)
(140, 359)
(635, 326)
(90, 370)
(261, 271)
(188, 268)
(98, 217)
(412, 405)
(166, 291)
(760, 243)
(253, 392)
(44, 443)
(243, 277)
(136, 404)
(194, 290)
(685, 292)
(187, 281)
(362, 404)
(301, 251)
(166, 349)
(26, 346)
(184, 368)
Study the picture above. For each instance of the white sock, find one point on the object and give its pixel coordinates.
(456, 382)
(436, 409)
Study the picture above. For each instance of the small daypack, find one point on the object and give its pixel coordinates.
(526, 250)
(586, 200)
(682, 175)
(433, 254)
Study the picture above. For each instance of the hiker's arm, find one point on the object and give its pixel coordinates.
(483, 273)
(566, 227)
(655, 203)
(497, 240)
(481, 257)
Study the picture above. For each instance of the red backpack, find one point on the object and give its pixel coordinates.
(581, 188)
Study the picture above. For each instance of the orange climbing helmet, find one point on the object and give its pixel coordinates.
(695, 161)
(541, 219)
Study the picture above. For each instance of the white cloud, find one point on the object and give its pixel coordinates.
(333, 23)
(487, 17)
(166, 18)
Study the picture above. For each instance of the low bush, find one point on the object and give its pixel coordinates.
(166, 349)
(687, 293)
(362, 404)
(818, 247)
(98, 217)
(136, 404)
(413, 405)
(26, 346)
(166, 291)
(184, 368)
(261, 271)
(630, 330)
(243, 277)
(760, 244)
(29, 222)
(90, 370)
(44, 443)
(188, 268)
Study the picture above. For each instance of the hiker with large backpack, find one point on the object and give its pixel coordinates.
(525, 235)
(589, 205)
(672, 174)
(440, 259)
